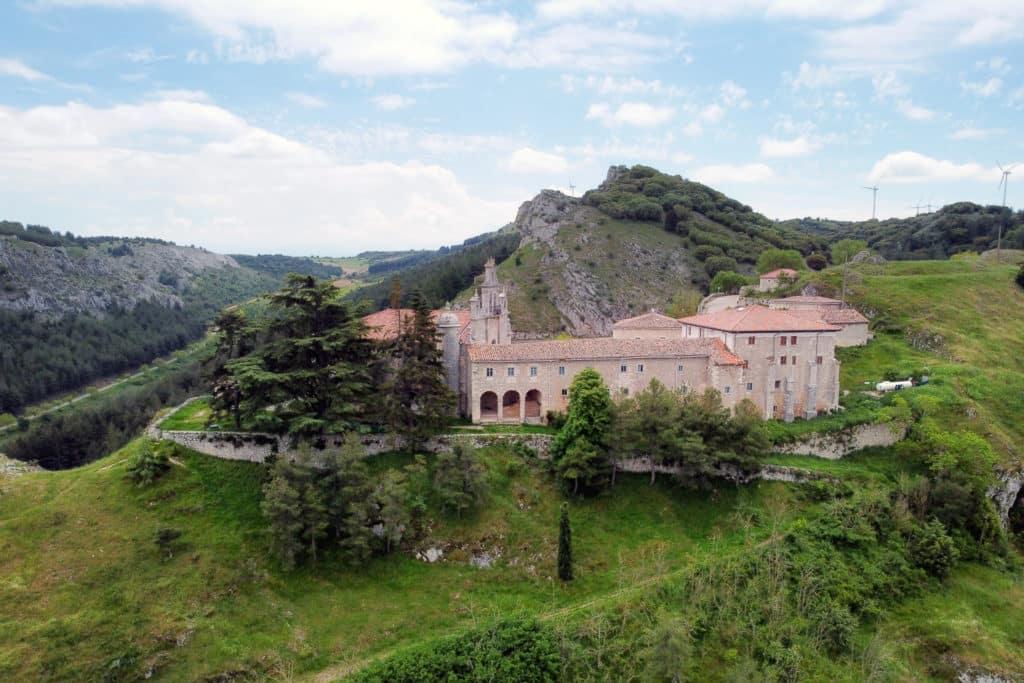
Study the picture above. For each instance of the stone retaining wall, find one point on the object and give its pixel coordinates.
(836, 445)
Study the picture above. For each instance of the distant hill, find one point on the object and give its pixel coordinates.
(638, 241)
(279, 265)
(950, 230)
(74, 310)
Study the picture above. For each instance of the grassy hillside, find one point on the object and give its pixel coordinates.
(86, 593)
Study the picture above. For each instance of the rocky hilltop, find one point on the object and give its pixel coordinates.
(642, 239)
(92, 280)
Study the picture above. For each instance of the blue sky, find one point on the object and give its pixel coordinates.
(332, 127)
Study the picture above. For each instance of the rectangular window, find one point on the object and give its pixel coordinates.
(622, 368)
(750, 386)
(783, 360)
(792, 341)
(751, 340)
(561, 370)
(639, 367)
(819, 360)
(511, 372)
(782, 340)
(533, 372)
(778, 383)
(490, 372)
(793, 360)
(565, 392)
(728, 390)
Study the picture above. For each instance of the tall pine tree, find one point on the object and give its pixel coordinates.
(580, 448)
(565, 570)
(420, 402)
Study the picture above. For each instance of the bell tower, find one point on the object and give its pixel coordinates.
(488, 308)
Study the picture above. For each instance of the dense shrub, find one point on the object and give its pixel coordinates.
(933, 550)
(717, 264)
(521, 650)
(727, 282)
(147, 465)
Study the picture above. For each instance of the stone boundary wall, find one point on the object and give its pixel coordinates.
(836, 445)
(765, 473)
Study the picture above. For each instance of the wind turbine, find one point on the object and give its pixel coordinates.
(874, 199)
(1004, 182)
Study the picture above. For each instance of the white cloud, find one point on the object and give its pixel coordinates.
(305, 100)
(196, 173)
(392, 102)
(797, 147)
(914, 112)
(197, 57)
(982, 88)
(733, 95)
(18, 69)
(912, 167)
(694, 10)
(693, 128)
(182, 94)
(888, 84)
(610, 85)
(712, 113)
(638, 114)
(728, 173)
(999, 65)
(970, 133)
(812, 77)
(146, 55)
(529, 160)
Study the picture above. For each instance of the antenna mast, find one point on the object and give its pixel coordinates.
(572, 189)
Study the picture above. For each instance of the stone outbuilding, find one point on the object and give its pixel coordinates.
(772, 279)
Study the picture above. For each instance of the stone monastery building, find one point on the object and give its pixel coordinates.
(784, 361)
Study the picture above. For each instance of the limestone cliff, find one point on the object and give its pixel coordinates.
(60, 280)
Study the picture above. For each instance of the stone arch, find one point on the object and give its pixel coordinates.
(510, 405)
(488, 406)
(532, 403)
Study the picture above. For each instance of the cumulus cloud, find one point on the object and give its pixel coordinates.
(914, 112)
(912, 167)
(982, 88)
(392, 102)
(529, 160)
(640, 114)
(306, 100)
(610, 85)
(812, 77)
(18, 69)
(797, 147)
(194, 172)
(729, 173)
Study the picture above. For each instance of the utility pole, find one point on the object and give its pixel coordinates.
(917, 209)
(572, 189)
(874, 199)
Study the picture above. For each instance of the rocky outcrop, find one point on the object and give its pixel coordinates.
(1007, 493)
(839, 444)
(539, 219)
(59, 280)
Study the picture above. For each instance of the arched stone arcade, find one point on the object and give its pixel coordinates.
(532, 406)
(510, 405)
(489, 406)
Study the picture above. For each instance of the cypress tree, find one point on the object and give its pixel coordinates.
(565, 545)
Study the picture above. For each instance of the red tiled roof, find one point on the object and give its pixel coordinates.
(833, 316)
(605, 348)
(788, 272)
(383, 325)
(648, 321)
(758, 319)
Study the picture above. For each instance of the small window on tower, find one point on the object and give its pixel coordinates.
(728, 390)
(750, 386)
(680, 368)
(561, 370)
(778, 383)
(565, 392)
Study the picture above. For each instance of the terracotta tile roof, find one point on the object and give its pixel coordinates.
(823, 300)
(833, 316)
(383, 325)
(788, 272)
(648, 321)
(759, 319)
(605, 348)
